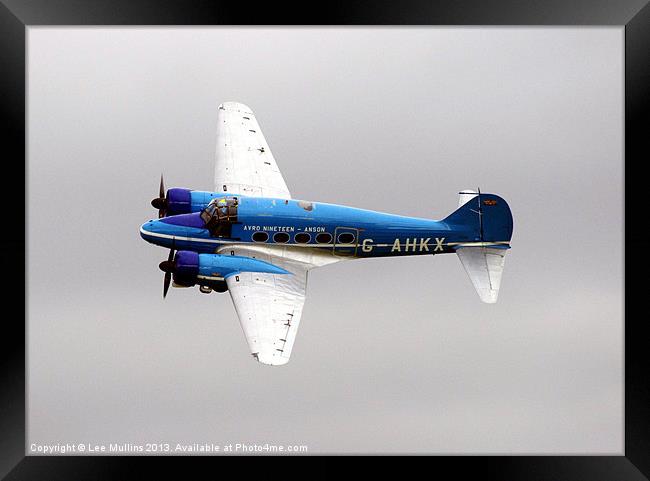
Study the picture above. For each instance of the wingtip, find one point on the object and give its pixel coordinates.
(235, 106)
(270, 359)
(489, 297)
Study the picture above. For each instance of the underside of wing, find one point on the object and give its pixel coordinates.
(269, 306)
(244, 162)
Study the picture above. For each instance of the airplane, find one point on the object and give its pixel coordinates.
(251, 238)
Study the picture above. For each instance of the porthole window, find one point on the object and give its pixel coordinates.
(260, 237)
(302, 238)
(281, 237)
(346, 238)
(324, 238)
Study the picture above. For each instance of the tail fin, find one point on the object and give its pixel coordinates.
(488, 220)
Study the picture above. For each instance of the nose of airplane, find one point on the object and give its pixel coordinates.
(163, 231)
(148, 229)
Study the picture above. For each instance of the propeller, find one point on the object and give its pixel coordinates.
(160, 202)
(168, 268)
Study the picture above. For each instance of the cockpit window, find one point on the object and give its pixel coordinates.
(219, 215)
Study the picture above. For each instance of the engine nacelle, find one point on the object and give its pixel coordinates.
(187, 273)
(211, 270)
(186, 268)
(179, 201)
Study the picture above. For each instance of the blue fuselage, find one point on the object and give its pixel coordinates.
(339, 230)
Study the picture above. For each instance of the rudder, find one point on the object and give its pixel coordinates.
(488, 216)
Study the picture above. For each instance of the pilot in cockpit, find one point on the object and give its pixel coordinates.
(219, 215)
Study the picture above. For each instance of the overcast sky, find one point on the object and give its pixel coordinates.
(392, 355)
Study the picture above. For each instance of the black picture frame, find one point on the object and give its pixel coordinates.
(17, 15)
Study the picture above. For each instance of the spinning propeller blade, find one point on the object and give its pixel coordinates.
(161, 191)
(167, 267)
(160, 202)
(168, 279)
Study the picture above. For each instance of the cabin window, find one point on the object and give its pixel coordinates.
(346, 238)
(281, 237)
(324, 238)
(260, 237)
(302, 238)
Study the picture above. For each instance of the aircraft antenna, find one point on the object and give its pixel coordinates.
(480, 213)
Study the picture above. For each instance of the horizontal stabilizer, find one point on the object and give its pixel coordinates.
(484, 266)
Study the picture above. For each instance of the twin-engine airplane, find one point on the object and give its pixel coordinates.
(249, 237)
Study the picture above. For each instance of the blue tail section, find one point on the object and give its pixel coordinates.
(488, 217)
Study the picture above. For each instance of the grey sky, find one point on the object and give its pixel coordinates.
(393, 355)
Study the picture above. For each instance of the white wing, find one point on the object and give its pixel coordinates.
(245, 164)
(269, 306)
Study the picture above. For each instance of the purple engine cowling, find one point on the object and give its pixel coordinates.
(179, 201)
(186, 267)
(186, 271)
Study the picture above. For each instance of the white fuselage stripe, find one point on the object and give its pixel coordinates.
(222, 241)
(176, 237)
